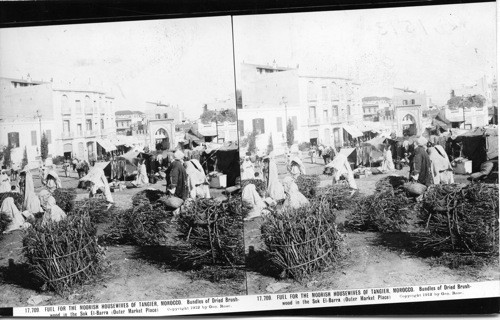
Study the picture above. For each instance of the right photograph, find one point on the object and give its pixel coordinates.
(369, 147)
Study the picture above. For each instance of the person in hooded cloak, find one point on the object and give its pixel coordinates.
(31, 201)
(197, 180)
(274, 186)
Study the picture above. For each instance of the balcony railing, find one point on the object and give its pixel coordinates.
(91, 133)
(313, 121)
(67, 135)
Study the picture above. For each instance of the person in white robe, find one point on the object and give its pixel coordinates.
(248, 170)
(197, 180)
(4, 182)
(52, 180)
(31, 201)
(441, 169)
(52, 212)
(142, 176)
(296, 167)
(294, 198)
(98, 181)
(342, 168)
(274, 187)
(17, 220)
(252, 200)
(387, 162)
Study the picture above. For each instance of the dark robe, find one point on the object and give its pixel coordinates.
(421, 165)
(177, 178)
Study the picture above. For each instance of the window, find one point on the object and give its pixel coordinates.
(312, 112)
(311, 93)
(33, 138)
(405, 102)
(279, 124)
(165, 115)
(102, 123)
(335, 91)
(348, 110)
(157, 116)
(66, 126)
(78, 106)
(412, 101)
(335, 111)
(13, 139)
(48, 134)
(65, 108)
(325, 115)
(88, 105)
(79, 128)
(324, 93)
(88, 125)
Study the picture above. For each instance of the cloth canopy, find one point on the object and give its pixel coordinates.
(108, 146)
(347, 151)
(353, 131)
(95, 172)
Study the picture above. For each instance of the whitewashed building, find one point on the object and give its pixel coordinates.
(77, 120)
(322, 108)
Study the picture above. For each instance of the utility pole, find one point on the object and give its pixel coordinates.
(39, 116)
(285, 101)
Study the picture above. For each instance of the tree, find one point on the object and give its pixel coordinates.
(209, 116)
(476, 101)
(252, 145)
(6, 155)
(44, 147)
(289, 133)
(270, 146)
(25, 158)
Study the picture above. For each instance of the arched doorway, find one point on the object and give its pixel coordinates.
(409, 125)
(162, 141)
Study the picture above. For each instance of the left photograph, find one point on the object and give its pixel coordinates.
(120, 164)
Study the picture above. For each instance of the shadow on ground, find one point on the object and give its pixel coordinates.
(405, 242)
(19, 274)
(262, 262)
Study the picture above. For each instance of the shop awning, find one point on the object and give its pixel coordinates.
(353, 131)
(347, 151)
(108, 146)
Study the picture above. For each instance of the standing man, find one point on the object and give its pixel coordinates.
(420, 164)
(177, 177)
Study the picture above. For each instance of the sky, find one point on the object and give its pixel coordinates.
(189, 62)
(184, 62)
(431, 49)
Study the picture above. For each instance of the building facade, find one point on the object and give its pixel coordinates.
(76, 120)
(318, 106)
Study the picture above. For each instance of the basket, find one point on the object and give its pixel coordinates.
(415, 188)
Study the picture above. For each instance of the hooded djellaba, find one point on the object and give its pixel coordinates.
(197, 180)
(31, 201)
(274, 187)
(52, 212)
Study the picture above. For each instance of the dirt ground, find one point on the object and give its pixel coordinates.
(372, 259)
(134, 273)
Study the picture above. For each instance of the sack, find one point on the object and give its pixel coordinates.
(415, 188)
(172, 202)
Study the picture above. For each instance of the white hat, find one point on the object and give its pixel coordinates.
(178, 155)
(421, 141)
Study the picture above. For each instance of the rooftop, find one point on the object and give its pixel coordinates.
(127, 112)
